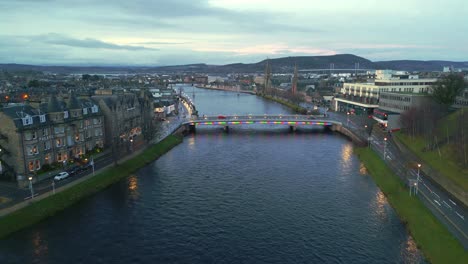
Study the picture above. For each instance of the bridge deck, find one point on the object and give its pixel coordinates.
(291, 120)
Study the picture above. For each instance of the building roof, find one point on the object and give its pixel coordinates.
(53, 105)
(73, 102)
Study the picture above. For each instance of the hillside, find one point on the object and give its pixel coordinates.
(279, 65)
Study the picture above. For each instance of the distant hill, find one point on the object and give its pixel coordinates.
(279, 65)
(418, 65)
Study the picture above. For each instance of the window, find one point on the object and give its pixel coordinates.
(87, 122)
(31, 166)
(98, 132)
(29, 135)
(38, 165)
(47, 145)
(95, 121)
(59, 142)
(42, 118)
(59, 156)
(65, 114)
(85, 111)
(59, 129)
(47, 158)
(27, 120)
(45, 132)
(94, 109)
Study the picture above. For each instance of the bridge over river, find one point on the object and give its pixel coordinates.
(292, 121)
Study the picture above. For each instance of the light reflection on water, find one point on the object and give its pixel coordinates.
(133, 187)
(40, 245)
(380, 205)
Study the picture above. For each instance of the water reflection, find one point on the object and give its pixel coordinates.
(363, 169)
(409, 251)
(380, 203)
(133, 187)
(40, 245)
(346, 153)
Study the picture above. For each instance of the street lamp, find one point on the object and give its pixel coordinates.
(419, 166)
(368, 137)
(385, 148)
(347, 123)
(31, 186)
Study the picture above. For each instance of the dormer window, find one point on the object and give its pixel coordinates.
(94, 109)
(85, 111)
(27, 120)
(42, 118)
(65, 114)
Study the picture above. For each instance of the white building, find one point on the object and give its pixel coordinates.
(366, 96)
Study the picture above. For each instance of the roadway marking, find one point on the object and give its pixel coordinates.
(446, 217)
(461, 216)
(437, 203)
(446, 204)
(453, 202)
(438, 197)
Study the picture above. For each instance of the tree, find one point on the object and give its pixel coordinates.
(447, 88)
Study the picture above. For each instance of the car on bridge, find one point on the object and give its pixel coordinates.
(221, 117)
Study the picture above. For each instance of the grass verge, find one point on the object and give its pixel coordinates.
(434, 240)
(46, 207)
(444, 164)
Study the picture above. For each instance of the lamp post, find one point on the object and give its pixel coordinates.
(53, 186)
(368, 136)
(385, 149)
(31, 186)
(347, 122)
(417, 179)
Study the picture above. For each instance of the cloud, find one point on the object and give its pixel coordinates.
(89, 43)
(161, 43)
(269, 49)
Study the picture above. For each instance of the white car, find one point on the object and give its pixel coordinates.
(62, 175)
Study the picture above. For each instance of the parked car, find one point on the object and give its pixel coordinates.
(62, 175)
(74, 170)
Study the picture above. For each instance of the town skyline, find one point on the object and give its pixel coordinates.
(158, 33)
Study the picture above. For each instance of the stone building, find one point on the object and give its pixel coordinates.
(127, 117)
(53, 132)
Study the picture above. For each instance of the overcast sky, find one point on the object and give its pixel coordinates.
(169, 32)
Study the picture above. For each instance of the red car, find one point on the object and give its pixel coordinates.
(221, 117)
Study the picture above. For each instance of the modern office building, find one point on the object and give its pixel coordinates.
(364, 97)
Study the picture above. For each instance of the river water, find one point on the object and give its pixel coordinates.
(250, 196)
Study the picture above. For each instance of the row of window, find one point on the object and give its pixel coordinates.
(28, 120)
(396, 97)
(402, 83)
(394, 106)
(34, 165)
(31, 135)
(60, 142)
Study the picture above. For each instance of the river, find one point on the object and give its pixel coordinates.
(250, 196)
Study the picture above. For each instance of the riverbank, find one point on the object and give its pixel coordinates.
(434, 240)
(48, 206)
(225, 88)
(298, 109)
